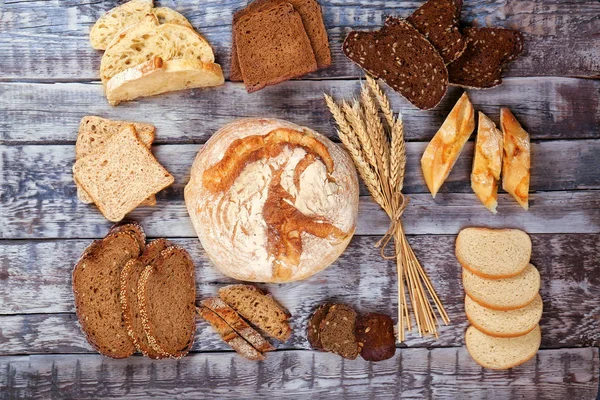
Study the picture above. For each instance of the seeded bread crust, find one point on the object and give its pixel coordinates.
(337, 331)
(375, 336)
(132, 227)
(314, 326)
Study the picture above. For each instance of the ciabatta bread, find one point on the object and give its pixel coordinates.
(116, 20)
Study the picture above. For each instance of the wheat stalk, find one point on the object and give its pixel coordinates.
(376, 131)
(398, 157)
(382, 99)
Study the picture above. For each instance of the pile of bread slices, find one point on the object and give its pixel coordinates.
(149, 51)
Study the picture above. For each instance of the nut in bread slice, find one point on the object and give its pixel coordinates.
(487, 163)
(517, 158)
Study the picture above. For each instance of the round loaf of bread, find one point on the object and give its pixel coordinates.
(272, 201)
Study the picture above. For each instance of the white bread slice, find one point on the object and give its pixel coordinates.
(156, 77)
(517, 158)
(121, 174)
(493, 253)
(510, 323)
(167, 15)
(149, 39)
(117, 19)
(504, 293)
(487, 163)
(502, 353)
(447, 144)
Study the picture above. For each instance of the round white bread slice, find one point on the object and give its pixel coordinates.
(493, 253)
(510, 323)
(503, 294)
(502, 353)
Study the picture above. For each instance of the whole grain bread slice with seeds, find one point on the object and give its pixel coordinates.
(314, 326)
(132, 227)
(375, 336)
(337, 331)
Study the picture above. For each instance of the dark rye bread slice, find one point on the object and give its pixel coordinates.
(133, 228)
(403, 58)
(237, 323)
(488, 51)
(130, 276)
(167, 297)
(96, 283)
(260, 309)
(273, 47)
(337, 331)
(375, 336)
(312, 19)
(438, 21)
(314, 326)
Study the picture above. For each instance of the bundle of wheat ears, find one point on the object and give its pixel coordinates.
(378, 150)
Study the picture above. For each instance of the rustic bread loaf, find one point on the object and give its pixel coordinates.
(167, 297)
(130, 276)
(487, 163)
(314, 326)
(289, 226)
(517, 158)
(259, 309)
(272, 47)
(337, 331)
(502, 353)
(510, 323)
(503, 293)
(96, 283)
(375, 336)
(493, 253)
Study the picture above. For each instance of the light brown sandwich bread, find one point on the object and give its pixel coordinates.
(517, 158)
(487, 163)
(493, 253)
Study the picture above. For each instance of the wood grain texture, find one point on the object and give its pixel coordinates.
(36, 300)
(413, 373)
(549, 108)
(559, 35)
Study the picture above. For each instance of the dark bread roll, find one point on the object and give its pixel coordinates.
(375, 335)
(337, 331)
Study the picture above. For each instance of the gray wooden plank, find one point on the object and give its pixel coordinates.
(550, 108)
(559, 35)
(37, 311)
(413, 373)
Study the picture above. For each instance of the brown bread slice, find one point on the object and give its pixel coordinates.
(403, 58)
(167, 297)
(237, 323)
(488, 51)
(132, 227)
(273, 47)
(229, 336)
(96, 282)
(130, 276)
(312, 19)
(314, 326)
(338, 331)
(375, 336)
(259, 309)
(438, 21)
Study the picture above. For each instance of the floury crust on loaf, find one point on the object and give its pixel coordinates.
(235, 232)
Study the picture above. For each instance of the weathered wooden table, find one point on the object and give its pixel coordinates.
(49, 80)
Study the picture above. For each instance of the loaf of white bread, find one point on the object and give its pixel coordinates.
(272, 201)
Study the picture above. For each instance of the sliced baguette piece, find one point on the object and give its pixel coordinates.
(444, 149)
(493, 253)
(166, 297)
(121, 174)
(510, 323)
(337, 331)
(502, 353)
(96, 281)
(237, 323)
(503, 293)
(229, 336)
(155, 77)
(487, 163)
(259, 309)
(517, 158)
(117, 19)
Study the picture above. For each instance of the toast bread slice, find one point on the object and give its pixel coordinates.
(337, 331)
(487, 163)
(517, 158)
(375, 336)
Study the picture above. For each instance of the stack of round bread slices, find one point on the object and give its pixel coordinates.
(502, 300)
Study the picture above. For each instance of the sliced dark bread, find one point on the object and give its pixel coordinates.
(337, 331)
(167, 296)
(237, 323)
(375, 336)
(438, 21)
(314, 326)
(403, 58)
(133, 228)
(273, 47)
(259, 309)
(229, 336)
(312, 19)
(130, 276)
(488, 51)
(96, 284)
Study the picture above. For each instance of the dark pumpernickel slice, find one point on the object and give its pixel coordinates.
(314, 326)
(403, 58)
(167, 296)
(273, 47)
(438, 21)
(375, 335)
(96, 285)
(133, 228)
(488, 51)
(130, 276)
(337, 331)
